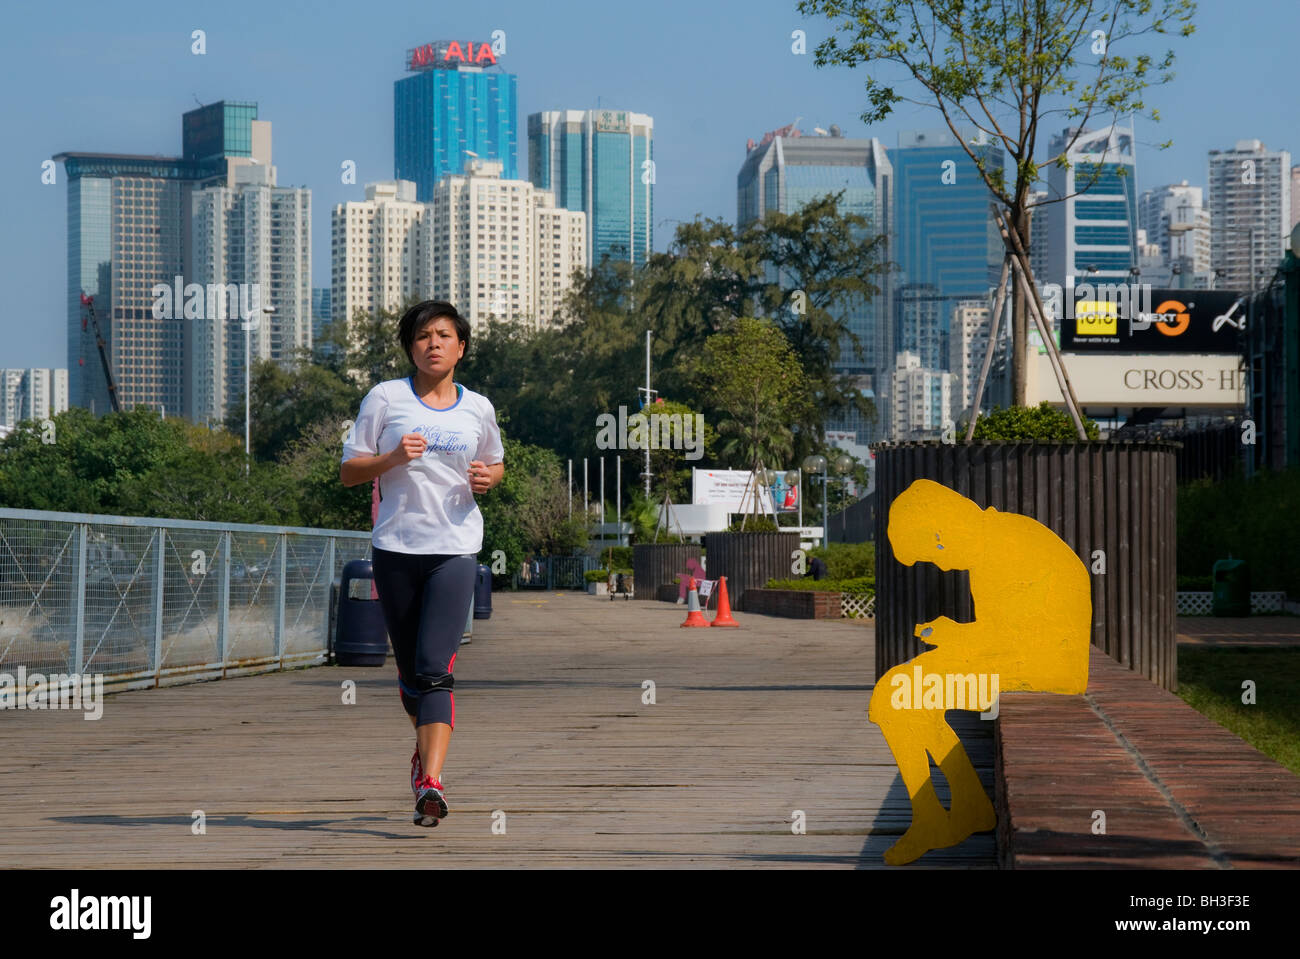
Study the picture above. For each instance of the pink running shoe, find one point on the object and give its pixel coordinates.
(430, 803)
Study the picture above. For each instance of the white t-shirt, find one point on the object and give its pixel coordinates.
(426, 505)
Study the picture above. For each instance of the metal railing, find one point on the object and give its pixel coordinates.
(151, 602)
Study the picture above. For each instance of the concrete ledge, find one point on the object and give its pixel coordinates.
(1178, 791)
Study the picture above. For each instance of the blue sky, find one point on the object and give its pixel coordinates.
(117, 77)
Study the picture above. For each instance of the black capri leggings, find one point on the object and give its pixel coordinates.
(426, 601)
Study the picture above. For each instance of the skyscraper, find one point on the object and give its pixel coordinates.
(258, 234)
(784, 171)
(129, 222)
(602, 163)
(320, 312)
(456, 103)
(1250, 213)
(1092, 236)
(946, 246)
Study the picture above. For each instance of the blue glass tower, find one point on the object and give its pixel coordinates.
(946, 246)
(600, 162)
(455, 102)
(786, 171)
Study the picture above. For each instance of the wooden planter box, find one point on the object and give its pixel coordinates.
(749, 560)
(793, 603)
(655, 564)
(1115, 497)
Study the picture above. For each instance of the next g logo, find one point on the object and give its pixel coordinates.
(1171, 318)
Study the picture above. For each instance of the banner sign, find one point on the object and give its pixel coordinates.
(1136, 319)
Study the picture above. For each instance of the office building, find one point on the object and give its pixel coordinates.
(251, 239)
(1250, 213)
(1092, 223)
(129, 226)
(457, 103)
(600, 162)
(32, 394)
(946, 242)
(784, 171)
(320, 312)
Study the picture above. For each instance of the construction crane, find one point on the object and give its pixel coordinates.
(88, 306)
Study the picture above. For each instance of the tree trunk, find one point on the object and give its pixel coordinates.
(1020, 310)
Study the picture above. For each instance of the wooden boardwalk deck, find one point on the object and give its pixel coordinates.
(748, 726)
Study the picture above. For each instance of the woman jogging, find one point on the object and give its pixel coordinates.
(433, 444)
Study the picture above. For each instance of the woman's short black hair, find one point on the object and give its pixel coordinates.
(414, 320)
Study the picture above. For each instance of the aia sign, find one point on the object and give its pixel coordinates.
(443, 54)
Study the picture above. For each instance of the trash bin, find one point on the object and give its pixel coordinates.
(1231, 588)
(362, 638)
(483, 593)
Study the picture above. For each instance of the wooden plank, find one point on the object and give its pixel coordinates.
(749, 725)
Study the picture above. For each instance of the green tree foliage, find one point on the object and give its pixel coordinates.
(1012, 71)
(289, 401)
(135, 463)
(751, 374)
(1251, 519)
(668, 461)
(1041, 423)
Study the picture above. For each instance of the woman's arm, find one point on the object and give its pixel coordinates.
(362, 469)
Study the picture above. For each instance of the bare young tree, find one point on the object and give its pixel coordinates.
(1004, 68)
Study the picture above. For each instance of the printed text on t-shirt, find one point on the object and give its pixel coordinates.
(444, 441)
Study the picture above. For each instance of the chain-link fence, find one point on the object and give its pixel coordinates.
(149, 602)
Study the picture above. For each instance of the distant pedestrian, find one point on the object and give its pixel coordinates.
(817, 568)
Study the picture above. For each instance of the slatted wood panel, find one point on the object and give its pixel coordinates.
(655, 564)
(749, 560)
(749, 724)
(1116, 497)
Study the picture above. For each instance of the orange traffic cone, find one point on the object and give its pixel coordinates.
(694, 617)
(724, 617)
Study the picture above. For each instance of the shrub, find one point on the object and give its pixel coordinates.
(754, 524)
(847, 560)
(596, 575)
(1042, 423)
(860, 584)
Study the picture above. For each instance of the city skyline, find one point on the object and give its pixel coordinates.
(119, 91)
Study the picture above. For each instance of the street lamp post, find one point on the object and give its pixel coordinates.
(816, 464)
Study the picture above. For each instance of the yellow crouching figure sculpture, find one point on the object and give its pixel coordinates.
(1032, 629)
